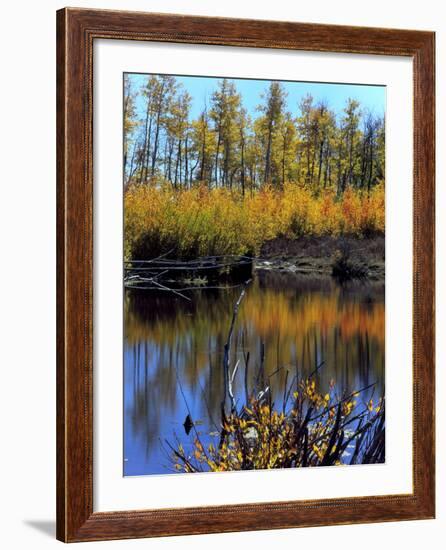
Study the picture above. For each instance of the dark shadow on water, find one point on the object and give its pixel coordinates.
(47, 527)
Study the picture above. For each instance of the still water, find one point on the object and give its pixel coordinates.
(173, 353)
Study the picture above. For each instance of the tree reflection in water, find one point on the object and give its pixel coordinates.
(174, 347)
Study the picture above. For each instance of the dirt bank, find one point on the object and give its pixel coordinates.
(320, 254)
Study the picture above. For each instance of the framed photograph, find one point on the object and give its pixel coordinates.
(245, 275)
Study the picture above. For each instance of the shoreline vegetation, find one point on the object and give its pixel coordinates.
(306, 429)
(289, 230)
(232, 181)
(303, 427)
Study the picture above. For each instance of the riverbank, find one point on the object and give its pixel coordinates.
(200, 222)
(344, 258)
(321, 254)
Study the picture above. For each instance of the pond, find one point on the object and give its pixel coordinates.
(287, 325)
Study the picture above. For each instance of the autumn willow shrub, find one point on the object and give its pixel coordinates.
(200, 221)
(311, 429)
(189, 223)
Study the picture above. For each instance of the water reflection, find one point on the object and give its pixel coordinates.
(174, 348)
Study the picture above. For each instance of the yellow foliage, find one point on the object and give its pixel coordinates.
(261, 438)
(200, 221)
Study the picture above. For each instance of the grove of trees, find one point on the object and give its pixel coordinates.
(226, 147)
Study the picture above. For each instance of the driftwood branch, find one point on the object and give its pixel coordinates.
(189, 267)
(227, 349)
(161, 273)
(198, 261)
(164, 287)
(230, 384)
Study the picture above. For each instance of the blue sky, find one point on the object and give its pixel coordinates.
(372, 98)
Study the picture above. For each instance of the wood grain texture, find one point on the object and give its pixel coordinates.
(76, 31)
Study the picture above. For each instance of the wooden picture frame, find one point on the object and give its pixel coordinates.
(77, 29)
